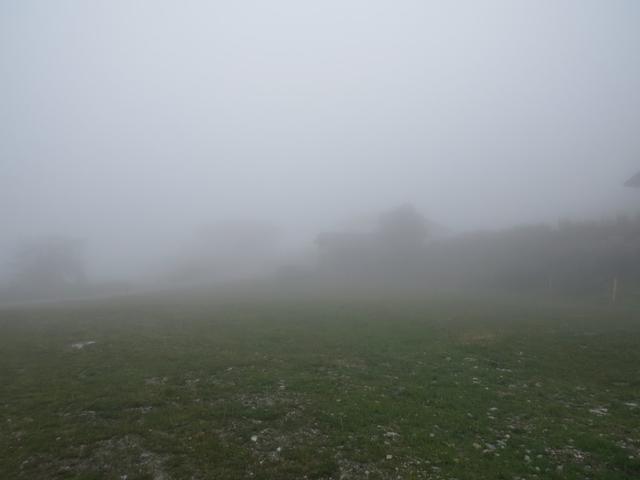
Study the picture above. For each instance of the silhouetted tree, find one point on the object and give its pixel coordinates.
(49, 264)
(403, 227)
(393, 248)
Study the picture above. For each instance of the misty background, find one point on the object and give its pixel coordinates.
(160, 139)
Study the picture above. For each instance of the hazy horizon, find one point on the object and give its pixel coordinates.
(132, 125)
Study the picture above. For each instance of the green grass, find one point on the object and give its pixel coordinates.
(327, 388)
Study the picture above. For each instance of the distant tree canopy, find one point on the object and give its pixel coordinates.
(398, 236)
(633, 182)
(571, 257)
(403, 227)
(49, 264)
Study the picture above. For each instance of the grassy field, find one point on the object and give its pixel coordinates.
(320, 389)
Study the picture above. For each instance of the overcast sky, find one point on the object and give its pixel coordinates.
(124, 121)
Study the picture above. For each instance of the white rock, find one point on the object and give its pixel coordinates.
(600, 411)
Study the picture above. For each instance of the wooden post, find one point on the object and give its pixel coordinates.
(614, 290)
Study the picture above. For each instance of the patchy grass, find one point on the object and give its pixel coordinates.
(319, 389)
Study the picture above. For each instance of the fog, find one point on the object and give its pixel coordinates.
(134, 127)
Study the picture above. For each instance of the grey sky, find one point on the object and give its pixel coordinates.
(126, 121)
